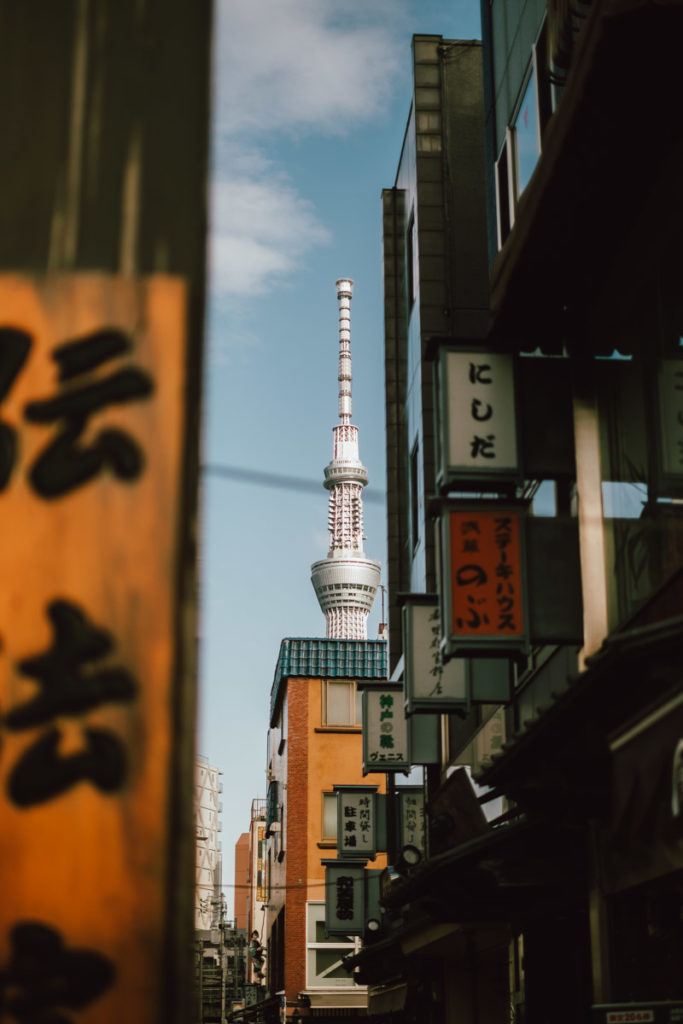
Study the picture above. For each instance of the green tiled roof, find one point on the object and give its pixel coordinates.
(328, 659)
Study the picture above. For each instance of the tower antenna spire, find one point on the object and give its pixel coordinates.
(345, 582)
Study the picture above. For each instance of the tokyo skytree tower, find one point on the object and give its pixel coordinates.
(346, 581)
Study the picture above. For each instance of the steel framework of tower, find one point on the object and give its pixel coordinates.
(346, 581)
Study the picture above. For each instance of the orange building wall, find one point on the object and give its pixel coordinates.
(317, 759)
(241, 880)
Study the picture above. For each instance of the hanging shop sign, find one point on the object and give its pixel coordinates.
(373, 909)
(344, 896)
(424, 738)
(385, 736)
(484, 598)
(357, 821)
(93, 426)
(476, 414)
(411, 817)
(431, 685)
(654, 1012)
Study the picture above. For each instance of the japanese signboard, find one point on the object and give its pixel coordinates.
(344, 896)
(431, 684)
(658, 1012)
(424, 738)
(92, 422)
(357, 821)
(477, 417)
(411, 817)
(385, 737)
(484, 596)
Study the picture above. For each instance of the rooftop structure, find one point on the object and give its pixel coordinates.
(346, 581)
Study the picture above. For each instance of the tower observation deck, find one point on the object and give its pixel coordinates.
(345, 582)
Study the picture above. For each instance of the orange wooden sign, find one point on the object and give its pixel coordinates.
(486, 574)
(92, 419)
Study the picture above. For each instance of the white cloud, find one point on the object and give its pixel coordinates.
(260, 230)
(283, 67)
(312, 64)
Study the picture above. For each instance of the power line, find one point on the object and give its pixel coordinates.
(279, 481)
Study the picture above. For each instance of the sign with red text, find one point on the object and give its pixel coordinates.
(485, 606)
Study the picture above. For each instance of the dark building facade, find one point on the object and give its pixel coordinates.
(552, 882)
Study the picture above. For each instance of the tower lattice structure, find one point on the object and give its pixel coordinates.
(345, 582)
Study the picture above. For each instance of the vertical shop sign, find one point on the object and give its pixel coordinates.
(477, 417)
(344, 896)
(92, 423)
(411, 817)
(356, 821)
(385, 736)
(431, 684)
(485, 599)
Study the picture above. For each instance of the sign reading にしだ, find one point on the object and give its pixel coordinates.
(92, 428)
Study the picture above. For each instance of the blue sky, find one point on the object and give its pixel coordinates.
(310, 105)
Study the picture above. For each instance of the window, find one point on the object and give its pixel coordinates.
(329, 817)
(522, 147)
(414, 497)
(341, 703)
(411, 260)
(527, 140)
(503, 204)
(283, 738)
(324, 968)
(272, 805)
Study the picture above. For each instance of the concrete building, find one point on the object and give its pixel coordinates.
(565, 698)
(257, 892)
(209, 901)
(241, 880)
(314, 744)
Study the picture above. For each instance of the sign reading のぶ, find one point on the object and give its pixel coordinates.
(92, 425)
(485, 592)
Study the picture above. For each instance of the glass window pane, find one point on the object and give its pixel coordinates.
(526, 137)
(329, 816)
(338, 711)
(330, 965)
(359, 707)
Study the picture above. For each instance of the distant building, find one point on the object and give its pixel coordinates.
(209, 902)
(314, 744)
(256, 893)
(241, 902)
